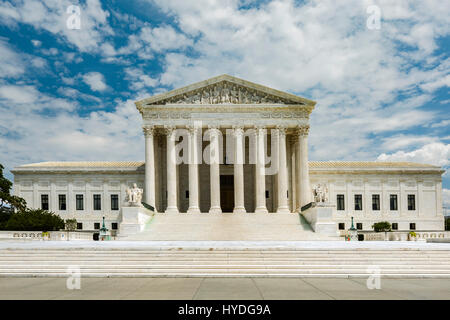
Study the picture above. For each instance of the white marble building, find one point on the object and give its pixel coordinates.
(229, 145)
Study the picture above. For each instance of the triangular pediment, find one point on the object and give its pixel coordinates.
(224, 89)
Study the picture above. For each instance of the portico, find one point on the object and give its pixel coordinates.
(197, 136)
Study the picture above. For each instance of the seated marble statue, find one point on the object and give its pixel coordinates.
(134, 195)
(320, 193)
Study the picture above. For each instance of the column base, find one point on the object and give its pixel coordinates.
(239, 210)
(193, 210)
(283, 210)
(215, 210)
(172, 210)
(261, 210)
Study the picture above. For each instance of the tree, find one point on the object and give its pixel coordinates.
(71, 224)
(8, 201)
(34, 220)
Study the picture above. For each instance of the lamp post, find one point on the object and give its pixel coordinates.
(104, 232)
(353, 233)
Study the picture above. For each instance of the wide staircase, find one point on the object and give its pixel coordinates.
(227, 226)
(224, 261)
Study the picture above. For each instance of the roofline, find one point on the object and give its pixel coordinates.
(197, 85)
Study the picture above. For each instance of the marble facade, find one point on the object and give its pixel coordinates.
(229, 145)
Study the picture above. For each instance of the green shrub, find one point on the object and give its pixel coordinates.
(34, 220)
(71, 224)
(381, 226)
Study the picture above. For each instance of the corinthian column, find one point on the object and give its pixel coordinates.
(215, 170)
(302, 160)
(260, 174)
(149, 166)
(282, 172)
(239, 170)
(193, 170)
(171, 172)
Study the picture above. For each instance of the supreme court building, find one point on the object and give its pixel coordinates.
(226, 145)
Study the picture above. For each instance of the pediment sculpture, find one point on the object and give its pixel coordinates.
(225, 93)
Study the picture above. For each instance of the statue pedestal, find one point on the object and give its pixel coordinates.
(133, 220)
(320, 217)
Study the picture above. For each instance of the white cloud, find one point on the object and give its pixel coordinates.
(68, 136)
(433, 153)
(15, 99)
(443, 123)
(19, 94)
(51, 16)
(36, 43)
(11, 64)
(95, 80)
(139, 80)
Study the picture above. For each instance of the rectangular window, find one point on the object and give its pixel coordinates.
(376, 202)
(412, 226)
(267, 194)
(393, 202)
(79, 226)
(79, 202)
(114, 202)
(44, 201)
(340, 202)
(359, 226)
(395, 226)
(411, 202)
(97, 225)
(341, 226)
(187, 194)
(97, 202)
(358, 201)
(114, 226)
(62, 201)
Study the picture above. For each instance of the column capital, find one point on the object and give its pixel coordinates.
(238, 130)
(149, 130)
(282, 130)
(193, 129)
(169, 130)
(302, 131)
(260, 129)
(214, 129)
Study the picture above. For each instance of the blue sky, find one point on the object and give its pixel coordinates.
(68, 94)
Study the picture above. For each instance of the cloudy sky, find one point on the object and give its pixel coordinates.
(68, 93)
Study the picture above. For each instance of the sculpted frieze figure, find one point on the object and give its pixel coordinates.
(226, 93)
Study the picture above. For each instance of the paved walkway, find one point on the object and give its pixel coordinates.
(223, 288)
